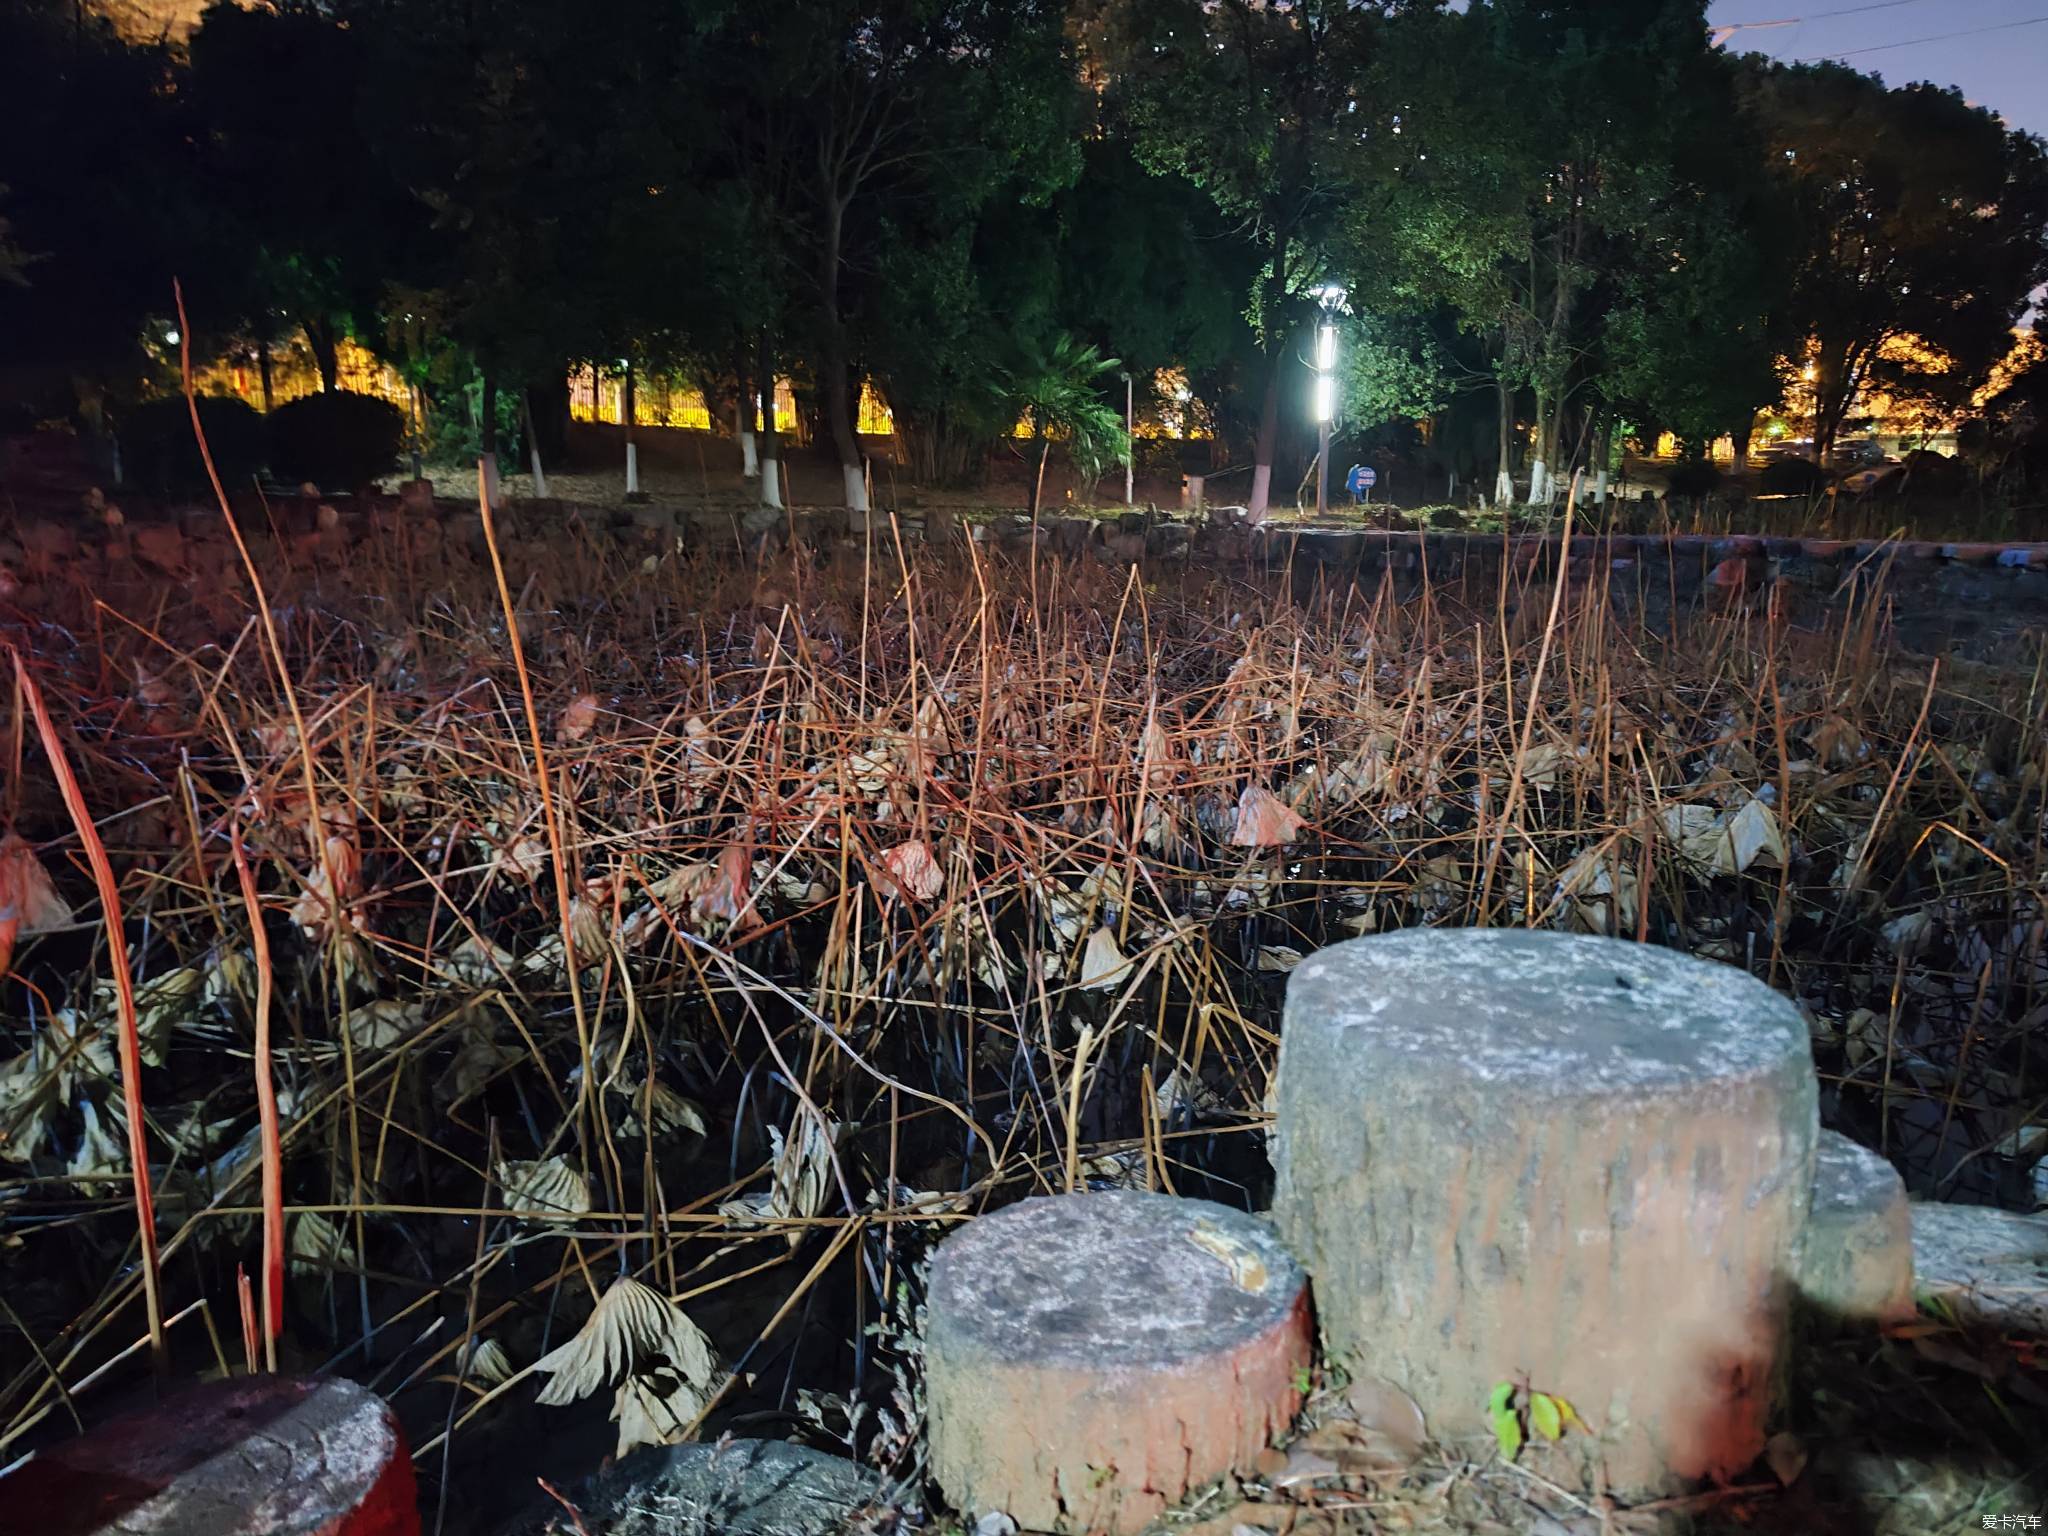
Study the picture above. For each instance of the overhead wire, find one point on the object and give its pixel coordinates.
(1918, 42)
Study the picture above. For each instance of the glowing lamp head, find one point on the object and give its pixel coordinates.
(1326, 348)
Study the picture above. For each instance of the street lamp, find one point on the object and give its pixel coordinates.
(1130, 437)
(1331, 299)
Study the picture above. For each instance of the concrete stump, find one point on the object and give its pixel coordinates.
(1091, 1359)
(251, 1456)
(729, 1488)
(1856, 1265)
(1573, 1163)
(1987, 1268)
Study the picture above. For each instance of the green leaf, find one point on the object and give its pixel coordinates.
(1507, 1424)
(1545, 1416)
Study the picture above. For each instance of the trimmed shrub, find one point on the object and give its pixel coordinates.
(1693, 478)
(1792, 477)
(1930, 473)
(160, 455)
(338, 440)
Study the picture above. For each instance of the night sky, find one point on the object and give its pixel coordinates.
(1994, 51)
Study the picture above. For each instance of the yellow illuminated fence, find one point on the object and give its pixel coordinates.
(294, 375)
(664, 400)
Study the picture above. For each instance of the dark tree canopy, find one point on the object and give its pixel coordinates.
(1556, 222)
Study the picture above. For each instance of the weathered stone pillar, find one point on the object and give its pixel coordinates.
(1856, 1264)
(1091, 1359)
(1572, 1163)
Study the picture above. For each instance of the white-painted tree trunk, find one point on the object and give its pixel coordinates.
(632, 469)
(1600, 487)
(1503, 488)
(1262, 486)
(771, 483)
(743, 429)
(856, 481)
(540, 479)
(1539, 484)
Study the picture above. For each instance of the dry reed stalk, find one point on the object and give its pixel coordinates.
(266, 1117)
(124, 983)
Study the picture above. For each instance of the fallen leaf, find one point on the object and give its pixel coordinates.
(1786, 1455)
(632, 1327)
(1507, 1424)
(1264, 820)
(379, 1025)
(577, 718)
(1387, 1410)
(1103, 965)
(912, 870)
(29, 903)
(1248, 1271)
(100, 1153)
(549, 1190)
(318, 1246)
(484, 1361)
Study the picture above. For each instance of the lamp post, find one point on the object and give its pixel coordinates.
(1331, 297)
(1130, 438)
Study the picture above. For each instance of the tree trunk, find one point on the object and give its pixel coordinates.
(1540, 461)
(1741, 437)
(833, 378)
(1268, 439)
(629, 413)
(487, 439)
(263, 373)
(743, 409)
(547, 414)
(1831, 394)
(326, 350)
(1504, 475)
(540, 478)
(771, 464)
(487, 427)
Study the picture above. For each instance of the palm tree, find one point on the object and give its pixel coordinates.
(1059, 387)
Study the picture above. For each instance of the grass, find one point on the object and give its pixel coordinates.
(881, 883)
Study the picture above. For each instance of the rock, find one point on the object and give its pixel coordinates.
(731, 1488)
(1738, 573)
(1989, 1267)
(250, 1456)
(1856, 1262)
(1169, 541)
(1091, 1359)
(659, 517)
(1572, 1162)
